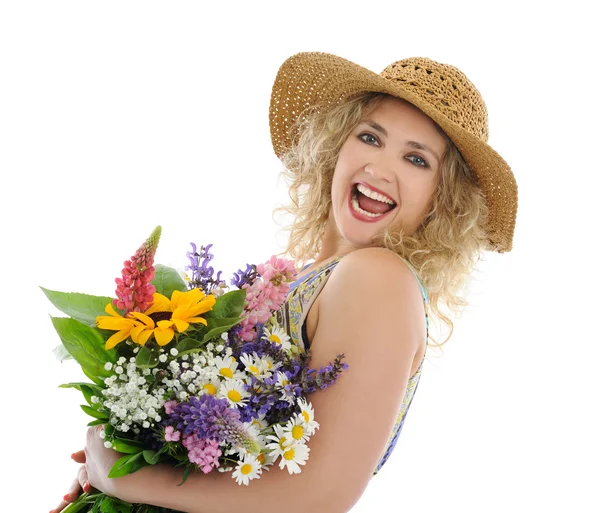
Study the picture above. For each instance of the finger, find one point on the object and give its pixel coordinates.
(78, 456)
(74, 490)
(82, 479)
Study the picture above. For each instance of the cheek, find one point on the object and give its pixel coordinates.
(337, 185)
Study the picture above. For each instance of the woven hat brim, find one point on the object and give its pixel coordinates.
(311, 78)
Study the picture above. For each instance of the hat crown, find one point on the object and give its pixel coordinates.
(445, 88)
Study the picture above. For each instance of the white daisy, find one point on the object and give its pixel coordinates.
(293, 457)
(296, 429)
(269, 365)
(260, 423)
(208, 385)
(279, 336)
(253, 364)
(282, 381)
(233, 390)
(280, 439)
(247, 469)
(292, 453)
(308, 415)
(227, 367)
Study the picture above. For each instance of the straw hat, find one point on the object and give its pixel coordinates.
(441, 91)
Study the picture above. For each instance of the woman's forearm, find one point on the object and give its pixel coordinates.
(218, 492)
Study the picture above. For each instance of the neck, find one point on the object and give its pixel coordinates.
(332, 244)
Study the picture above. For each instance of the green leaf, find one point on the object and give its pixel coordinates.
(230, 304)
(87, 389)
(126, 446)
(188, 345)
(217, 326)
(166, 280)
(88, 393)
(151, 457)
(92, 412)
(146, 358)
(81, 307)
(96, 422)
(61, 353)
(81, 504)
(93, 378)
(113, 505)
(85, 345)
(186, 474)
(127, 464)
(107, 506)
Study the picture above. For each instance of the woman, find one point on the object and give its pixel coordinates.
(381, 166)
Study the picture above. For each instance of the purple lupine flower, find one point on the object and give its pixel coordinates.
(202, 273)
(241, 278)
(211, 418)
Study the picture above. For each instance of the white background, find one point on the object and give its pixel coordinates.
(119, 116)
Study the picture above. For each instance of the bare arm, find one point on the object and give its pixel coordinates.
(371, 310)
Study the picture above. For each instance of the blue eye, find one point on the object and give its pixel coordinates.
(368, 135)
(425, 165)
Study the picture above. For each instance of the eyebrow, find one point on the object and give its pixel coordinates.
(412, 144)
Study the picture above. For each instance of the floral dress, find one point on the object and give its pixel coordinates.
(292, 316)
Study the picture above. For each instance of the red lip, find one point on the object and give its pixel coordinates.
(360, 216)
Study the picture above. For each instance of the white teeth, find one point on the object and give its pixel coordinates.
(373, 195)
(357, 208)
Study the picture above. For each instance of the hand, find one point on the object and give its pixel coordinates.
(96, 461)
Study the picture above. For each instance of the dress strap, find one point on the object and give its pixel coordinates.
(423, 289)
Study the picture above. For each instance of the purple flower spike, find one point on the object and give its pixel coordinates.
(240, 278)
(202, 274)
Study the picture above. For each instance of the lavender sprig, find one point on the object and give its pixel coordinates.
(202, 274)
(241, 278)
(311, 379)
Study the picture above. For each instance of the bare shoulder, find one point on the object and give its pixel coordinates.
(387, 291)
(377, 264)
(372, 312)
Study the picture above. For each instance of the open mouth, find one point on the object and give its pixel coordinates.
(368, 204)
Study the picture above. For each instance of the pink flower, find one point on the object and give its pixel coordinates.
(267, 293)
(203, 452)
(134, 291)
(171, 435)
(169, 405)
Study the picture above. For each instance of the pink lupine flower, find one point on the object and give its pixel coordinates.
(266, 294)
(134, 291)
(203, 452)
(171, 435)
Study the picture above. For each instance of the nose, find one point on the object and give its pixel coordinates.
(379, 171)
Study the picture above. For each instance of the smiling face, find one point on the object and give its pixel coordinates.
(393, 151)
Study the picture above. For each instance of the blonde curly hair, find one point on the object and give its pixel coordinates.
(444, 249)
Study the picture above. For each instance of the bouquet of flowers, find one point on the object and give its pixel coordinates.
(187, 372)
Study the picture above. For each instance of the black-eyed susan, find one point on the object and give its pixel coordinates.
(161, 320)
(115, 322)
